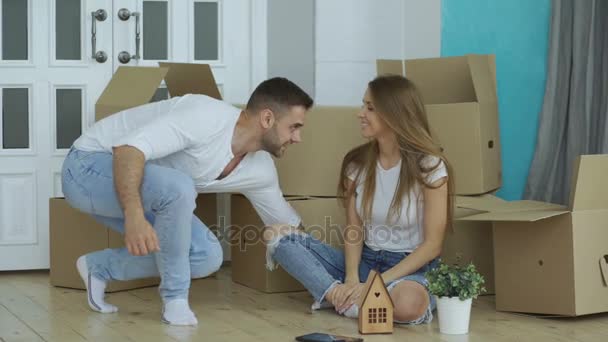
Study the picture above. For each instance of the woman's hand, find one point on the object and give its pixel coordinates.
(345, 295)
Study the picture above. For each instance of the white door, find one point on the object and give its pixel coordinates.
(215, 32)
(50, 80)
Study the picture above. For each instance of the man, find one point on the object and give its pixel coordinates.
(139, 172)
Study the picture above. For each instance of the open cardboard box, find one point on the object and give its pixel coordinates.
(134, 86)
(472, 241)
(550, 259)
(312, 168)
(323, 218)
(460, 98)
(73, 233)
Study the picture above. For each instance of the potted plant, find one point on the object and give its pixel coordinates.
(455, 287)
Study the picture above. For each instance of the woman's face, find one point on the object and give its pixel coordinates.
(372, 126)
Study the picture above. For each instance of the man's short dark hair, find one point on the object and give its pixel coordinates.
(278, 94)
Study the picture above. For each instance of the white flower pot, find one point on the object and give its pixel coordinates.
(454, 315)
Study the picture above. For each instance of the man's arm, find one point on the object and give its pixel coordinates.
(176, 131)
(128, 167)
(128, 173)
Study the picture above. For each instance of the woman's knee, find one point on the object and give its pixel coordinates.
(411, 301)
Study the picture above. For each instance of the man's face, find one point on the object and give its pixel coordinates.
(284, 132)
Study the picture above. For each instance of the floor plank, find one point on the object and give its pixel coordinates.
(64, 307)
(135, 322)
(13, 329)
(32, 310)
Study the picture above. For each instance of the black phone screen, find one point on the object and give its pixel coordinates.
(320, 337)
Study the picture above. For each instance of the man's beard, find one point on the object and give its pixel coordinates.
(271, 142)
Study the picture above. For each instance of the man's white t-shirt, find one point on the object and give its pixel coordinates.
(407, 233)
(193, 134)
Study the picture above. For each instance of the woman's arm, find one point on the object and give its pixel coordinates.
(345, 295)
(435, 220)
(353, 237)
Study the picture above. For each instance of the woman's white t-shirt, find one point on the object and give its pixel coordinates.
(381, 231)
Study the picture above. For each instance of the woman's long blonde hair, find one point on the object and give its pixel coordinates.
(398, 103)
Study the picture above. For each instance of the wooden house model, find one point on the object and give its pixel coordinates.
(376, 308)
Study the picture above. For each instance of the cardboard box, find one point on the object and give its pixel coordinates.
(460, 98)
(74, 233)
(550, 259)
(472, 241)
(319, 215)
(312, 168)
(135, 86)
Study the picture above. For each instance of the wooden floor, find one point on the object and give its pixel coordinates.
(32, 310)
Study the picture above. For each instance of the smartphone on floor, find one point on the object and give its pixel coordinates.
(320, 337)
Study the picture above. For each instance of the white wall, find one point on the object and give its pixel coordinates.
(352, 34)
(291, 41)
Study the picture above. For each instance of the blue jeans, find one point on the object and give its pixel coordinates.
(188, 249)
(319, 266)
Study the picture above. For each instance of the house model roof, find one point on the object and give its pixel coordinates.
(375, 276)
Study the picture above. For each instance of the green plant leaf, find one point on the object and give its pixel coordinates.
(455, 281)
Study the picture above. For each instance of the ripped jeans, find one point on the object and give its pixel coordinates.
(319, 267)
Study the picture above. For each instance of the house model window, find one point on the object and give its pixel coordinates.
(377, 315)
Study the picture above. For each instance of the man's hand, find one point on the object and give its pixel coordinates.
(140, 237)
(128, 168)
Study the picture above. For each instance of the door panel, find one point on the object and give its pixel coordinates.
(52, 70)
(49, 84)
(214, 32)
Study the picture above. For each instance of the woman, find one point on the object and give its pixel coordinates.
(396, 193)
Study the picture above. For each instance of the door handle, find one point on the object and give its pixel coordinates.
(99, 56)
(124, 57)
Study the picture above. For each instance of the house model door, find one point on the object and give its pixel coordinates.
(56, 57)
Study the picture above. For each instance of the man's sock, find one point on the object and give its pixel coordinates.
(177, 312)
(95, 288)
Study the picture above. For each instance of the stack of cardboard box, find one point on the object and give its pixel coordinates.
(536, 257)
(308, 175)
(73, 233)
(459, 94)
(461, 103)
